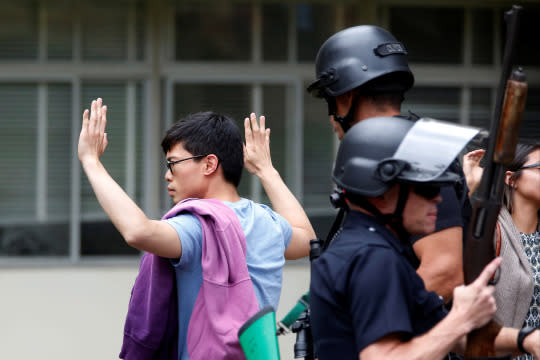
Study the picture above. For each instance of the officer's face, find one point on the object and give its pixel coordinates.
(420, 214)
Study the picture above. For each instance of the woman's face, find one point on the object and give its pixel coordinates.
(527, 186)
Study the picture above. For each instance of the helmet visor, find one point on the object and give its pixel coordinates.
(429, 147)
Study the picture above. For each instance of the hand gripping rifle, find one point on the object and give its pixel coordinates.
(487, 199)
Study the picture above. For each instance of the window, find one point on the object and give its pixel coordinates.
(313, 26)
(439, 103)
(530, 125)
(105, 32)
(209, 33)
(18, 179)
(124, 128)
(481, 107)
(482, 31)
(528, 53)
(275, 39)
(60, 33)
(430, 34)
(472, 39)
(233, 57)
(19, 31)
(45, 207)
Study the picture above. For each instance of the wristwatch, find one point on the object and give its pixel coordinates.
(522, 335)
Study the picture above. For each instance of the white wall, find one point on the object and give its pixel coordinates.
(78, 312)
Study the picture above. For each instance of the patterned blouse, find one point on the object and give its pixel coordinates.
(531, 246)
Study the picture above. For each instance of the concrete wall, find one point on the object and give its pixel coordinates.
(78, 312)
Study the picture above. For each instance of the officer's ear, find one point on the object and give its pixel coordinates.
(386, 203)
(344, 102)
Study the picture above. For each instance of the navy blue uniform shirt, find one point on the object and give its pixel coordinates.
(364, 287)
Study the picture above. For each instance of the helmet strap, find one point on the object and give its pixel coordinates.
(395, 220)
(344, 121)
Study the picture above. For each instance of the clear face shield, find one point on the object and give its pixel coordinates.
(429, 147)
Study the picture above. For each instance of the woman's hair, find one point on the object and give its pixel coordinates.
(521, 157)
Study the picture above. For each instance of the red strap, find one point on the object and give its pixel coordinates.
(498, 246)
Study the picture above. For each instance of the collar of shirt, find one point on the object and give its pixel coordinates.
(355, 219)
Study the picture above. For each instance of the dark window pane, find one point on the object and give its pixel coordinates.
(51, 239)
(114, 159)
(230, 100)
(528, 51)
(140, 30)
(322, 223)
(482, 46)
(60, 33)
(437, 103)
(104, 32)
(276, 120)
(59, 151)
(314, 24)
(318, 154)
(102, 238)
(430, 35)
(275, 27)
(221, 31)
(18, 157)
(530, 125)
(481, 108)
(353, 14)
(98, 235)
(18, 31)
(139, 144)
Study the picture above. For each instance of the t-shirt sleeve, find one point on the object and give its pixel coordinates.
(286, 229)
(284, 225)
(378, 297)
(189, 231)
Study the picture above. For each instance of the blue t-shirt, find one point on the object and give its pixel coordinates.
(267, 233)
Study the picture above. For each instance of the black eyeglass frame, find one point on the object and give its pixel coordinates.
(170, 164)
(532, 166)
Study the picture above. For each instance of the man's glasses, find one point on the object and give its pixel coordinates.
(170, 164)
(532, 166)
(427, 191)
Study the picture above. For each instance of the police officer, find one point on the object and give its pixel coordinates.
(363, 72)
(366, 299)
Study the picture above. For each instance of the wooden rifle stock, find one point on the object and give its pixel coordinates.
(487, 200)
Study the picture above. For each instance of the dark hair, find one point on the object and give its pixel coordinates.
(521, 157)
(206, 133)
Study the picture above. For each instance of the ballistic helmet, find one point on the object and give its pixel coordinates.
(363, 56)
(381, 151)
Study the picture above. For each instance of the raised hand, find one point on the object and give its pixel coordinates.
(93, 138)
(257, 147)
(472, 170)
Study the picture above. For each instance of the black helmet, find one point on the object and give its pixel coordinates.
(366, 56)
(378, 152)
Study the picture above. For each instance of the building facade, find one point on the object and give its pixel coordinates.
(64, 270)
(154, 61)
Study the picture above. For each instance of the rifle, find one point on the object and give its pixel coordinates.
(487, 199)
